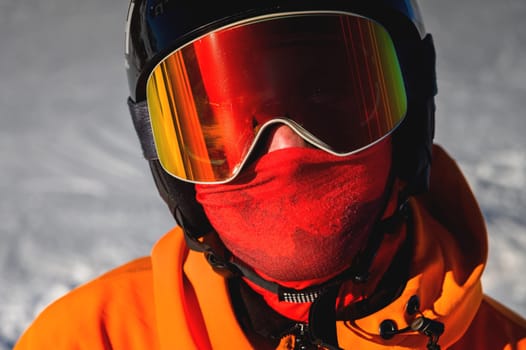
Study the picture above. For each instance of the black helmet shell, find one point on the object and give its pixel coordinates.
(156, 27)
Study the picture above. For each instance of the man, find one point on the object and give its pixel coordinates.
(292, 141)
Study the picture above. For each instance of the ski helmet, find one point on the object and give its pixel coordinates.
(155, 28)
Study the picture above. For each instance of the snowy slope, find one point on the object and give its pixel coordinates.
(77, 198)
(480, 119)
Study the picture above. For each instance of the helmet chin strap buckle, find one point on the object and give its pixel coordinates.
(293, 296)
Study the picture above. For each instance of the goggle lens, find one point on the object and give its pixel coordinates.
(334, 78)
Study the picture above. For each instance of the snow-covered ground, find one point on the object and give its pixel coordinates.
(77, 198)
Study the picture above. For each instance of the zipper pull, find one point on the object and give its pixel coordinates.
(303, 339)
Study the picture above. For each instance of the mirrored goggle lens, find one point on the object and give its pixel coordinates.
(335, 77)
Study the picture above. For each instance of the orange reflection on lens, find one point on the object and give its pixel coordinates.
(179, 140)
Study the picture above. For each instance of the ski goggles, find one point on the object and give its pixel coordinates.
(334, 78)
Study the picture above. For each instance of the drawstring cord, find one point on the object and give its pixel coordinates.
(426, 326)
(432, 329)
(303, 339)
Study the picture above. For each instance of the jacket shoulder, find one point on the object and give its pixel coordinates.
(114, 310)
(495, 327)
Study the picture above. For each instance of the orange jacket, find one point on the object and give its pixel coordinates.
(173, 299)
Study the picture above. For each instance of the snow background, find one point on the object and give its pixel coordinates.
(77, 198)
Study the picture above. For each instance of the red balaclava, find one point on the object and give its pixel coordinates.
(299, 215)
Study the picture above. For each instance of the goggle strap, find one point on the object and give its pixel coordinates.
(143, 128)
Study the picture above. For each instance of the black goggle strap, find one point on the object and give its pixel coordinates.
(143, 128)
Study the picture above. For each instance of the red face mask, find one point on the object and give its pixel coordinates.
(300, 214)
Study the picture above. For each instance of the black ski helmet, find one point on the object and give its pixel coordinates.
(155, 28)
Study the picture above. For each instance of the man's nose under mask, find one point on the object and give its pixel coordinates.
(299, 214)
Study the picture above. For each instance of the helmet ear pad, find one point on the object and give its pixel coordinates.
(413, 139)
(180, 198)
(412, 145)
